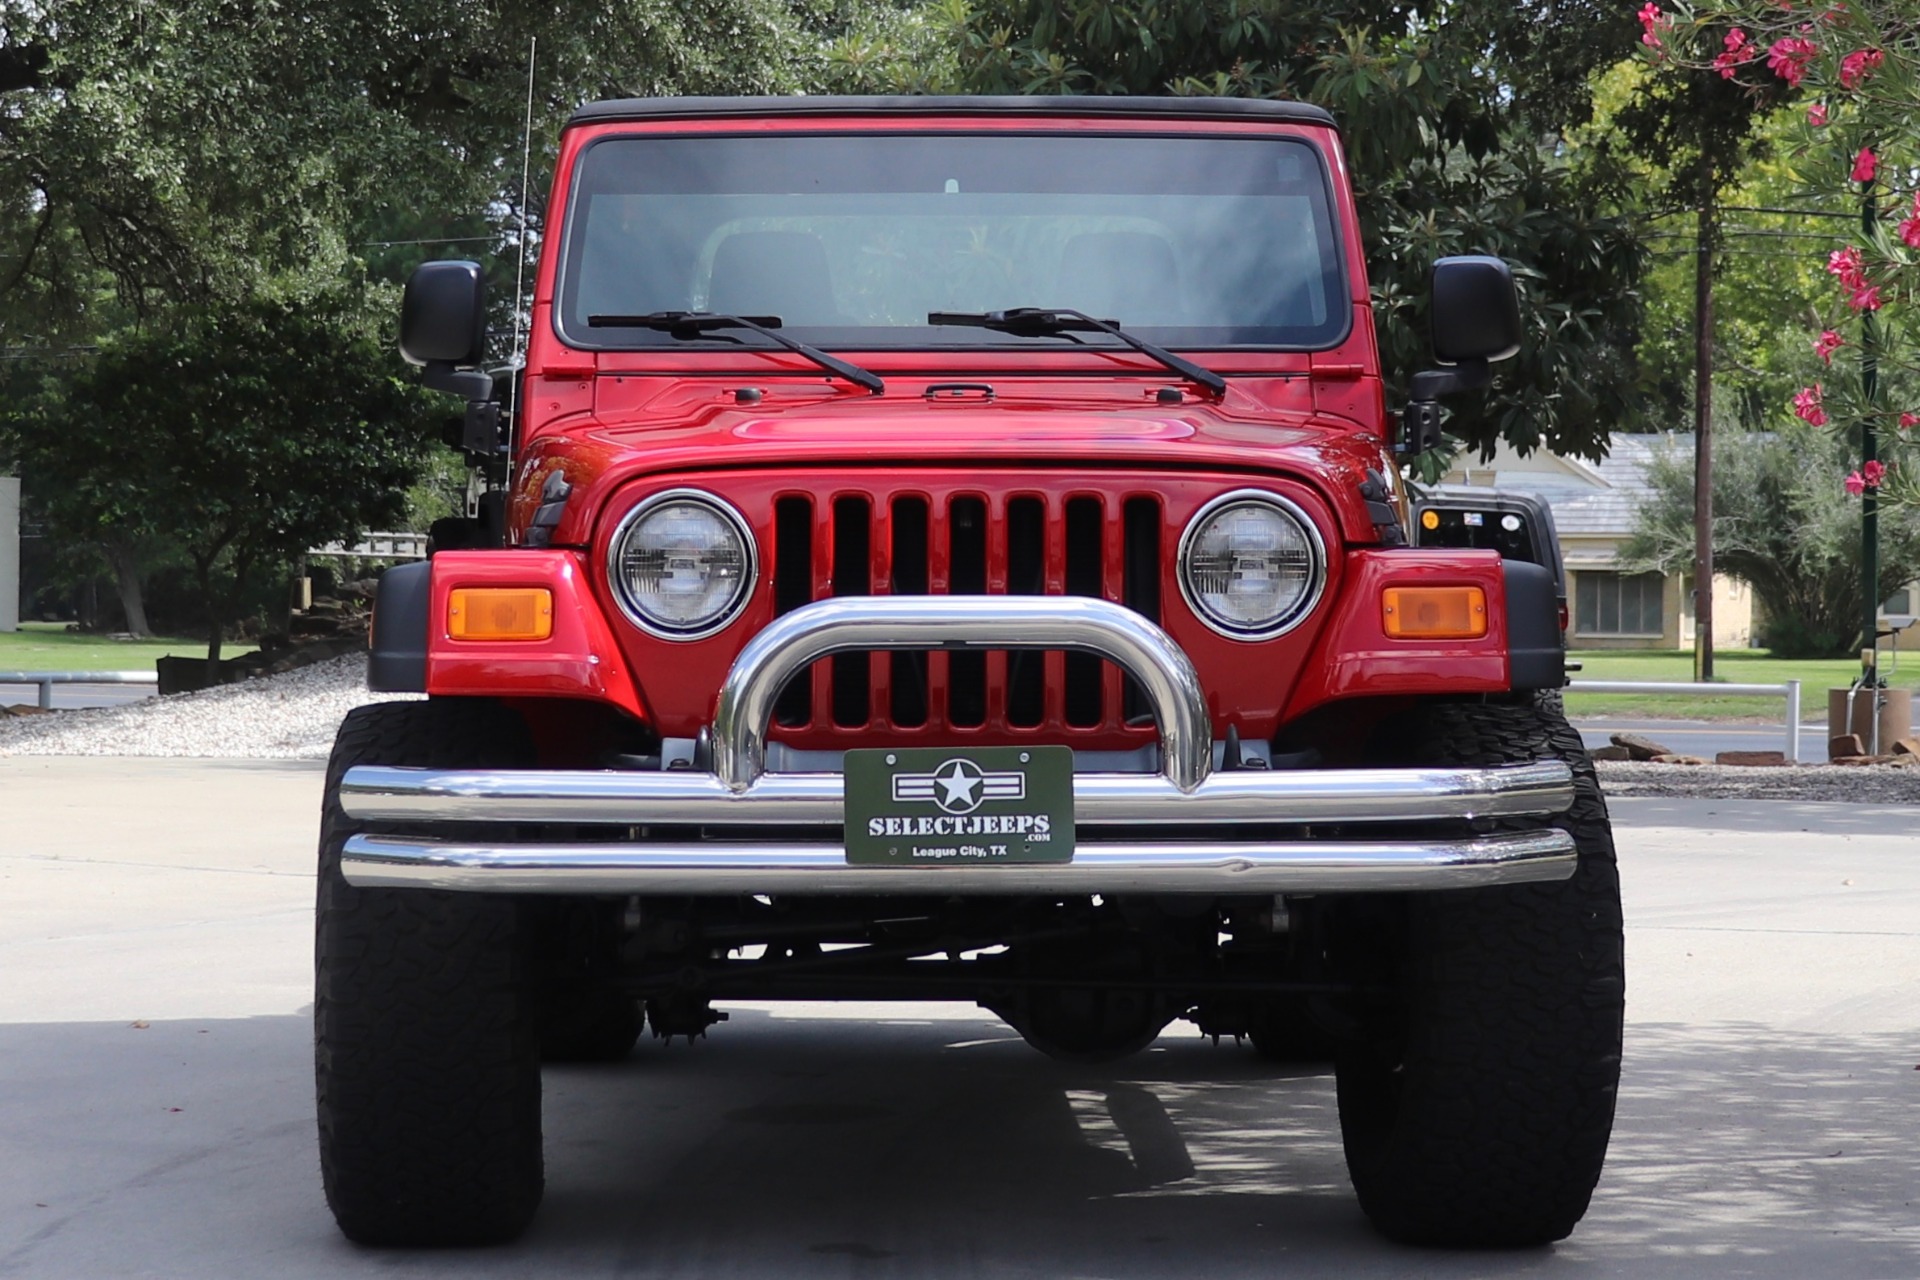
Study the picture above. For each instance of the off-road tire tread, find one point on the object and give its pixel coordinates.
(1495, 1132)
(426, 1047)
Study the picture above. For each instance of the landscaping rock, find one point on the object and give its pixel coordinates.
(1675, 757)
(1907, 747)
(1610, 753)
(1753, 759)
(1639, 748)
(1846, 745)
(1863, 760)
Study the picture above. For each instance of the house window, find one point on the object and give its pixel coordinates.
(1619, 604)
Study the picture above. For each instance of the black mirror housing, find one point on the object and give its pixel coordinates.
(1475, 310)
(443, 315)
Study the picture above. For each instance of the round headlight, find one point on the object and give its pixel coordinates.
(682, 564)
(1251, 565)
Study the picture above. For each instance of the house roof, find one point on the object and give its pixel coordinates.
(1596, 499)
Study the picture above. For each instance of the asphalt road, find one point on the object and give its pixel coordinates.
(1708, 738)
(156, 1118)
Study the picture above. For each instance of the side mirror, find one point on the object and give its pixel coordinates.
(1475, 317)
(1475, 310)
(443, 315)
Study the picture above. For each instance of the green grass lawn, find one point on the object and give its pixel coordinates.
(49, 646)
(1735, 666)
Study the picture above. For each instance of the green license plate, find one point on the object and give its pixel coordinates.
(922, 806)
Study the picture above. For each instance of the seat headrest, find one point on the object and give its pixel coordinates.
(778, 273)
(1129, 276)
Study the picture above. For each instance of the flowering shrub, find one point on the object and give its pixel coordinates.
(1856, 64)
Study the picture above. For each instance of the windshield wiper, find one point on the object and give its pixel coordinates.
(1039, 321)
(691, 324)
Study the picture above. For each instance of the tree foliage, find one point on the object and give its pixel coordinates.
(239, 436)
(1852, 72)
(1779, 526)
(177, 172)
(1450, 111)
(204, 149)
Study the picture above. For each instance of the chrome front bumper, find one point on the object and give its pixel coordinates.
(738, 794)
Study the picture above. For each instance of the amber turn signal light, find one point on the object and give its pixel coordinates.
(500, 613)
(1434, 613)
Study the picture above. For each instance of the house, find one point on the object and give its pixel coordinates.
(1594, 506)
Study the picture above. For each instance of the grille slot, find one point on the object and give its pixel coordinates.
(913, 542)
(911, 569)
(793, 587)
(1083, 672)
(1140, 585)
(852, 554)
(967, 672)
(1026, 576)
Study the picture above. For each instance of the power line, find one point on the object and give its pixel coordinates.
(395, 244)
(1748, 234)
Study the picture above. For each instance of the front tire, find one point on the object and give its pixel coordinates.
(1479, 1115)
(426, 1021)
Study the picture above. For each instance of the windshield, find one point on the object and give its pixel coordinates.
(853, 239)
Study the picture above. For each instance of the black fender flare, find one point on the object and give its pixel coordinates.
(1536, 650)
(397, 657)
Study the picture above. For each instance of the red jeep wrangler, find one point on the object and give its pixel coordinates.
(880, 608)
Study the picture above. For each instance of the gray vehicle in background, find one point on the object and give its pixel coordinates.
(1517, 525)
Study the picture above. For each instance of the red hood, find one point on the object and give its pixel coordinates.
(634, 427)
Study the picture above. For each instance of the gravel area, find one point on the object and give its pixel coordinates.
(1852, 784)
(292, 716)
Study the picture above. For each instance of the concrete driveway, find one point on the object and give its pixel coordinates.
(155, 1118)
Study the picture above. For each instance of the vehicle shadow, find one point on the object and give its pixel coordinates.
(808, 1143)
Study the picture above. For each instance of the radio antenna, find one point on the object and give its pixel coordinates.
(526, 169)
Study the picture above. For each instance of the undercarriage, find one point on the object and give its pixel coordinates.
(1081, 978)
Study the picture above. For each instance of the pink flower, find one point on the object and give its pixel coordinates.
(1826, 344)
(1856, 485)
(1873, 473)
(1845, 263)
(1865, 298)
(1652, 22)
(1910, 232)
(1788, 58)
(1806, 405)
(1909, 420)
(1817, 114)
(1738, 50)
(1864, 165)
(1858, 65)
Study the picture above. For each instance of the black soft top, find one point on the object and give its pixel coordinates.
(1078, 107)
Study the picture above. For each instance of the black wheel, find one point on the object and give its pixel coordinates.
(590, 1025)
(426, 1020)
(1479, 1115)
(1283, 1029)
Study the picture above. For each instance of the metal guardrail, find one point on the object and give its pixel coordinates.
(378, 546)
(47, 679)
(1790, 690)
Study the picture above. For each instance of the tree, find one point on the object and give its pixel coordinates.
(1696, 131)
(1856, 67)
(241, 436)
(201, 150)
(1450, 110)
(1779, 527)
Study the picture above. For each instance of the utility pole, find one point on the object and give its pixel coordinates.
(1703, 426)
(1869, 500)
